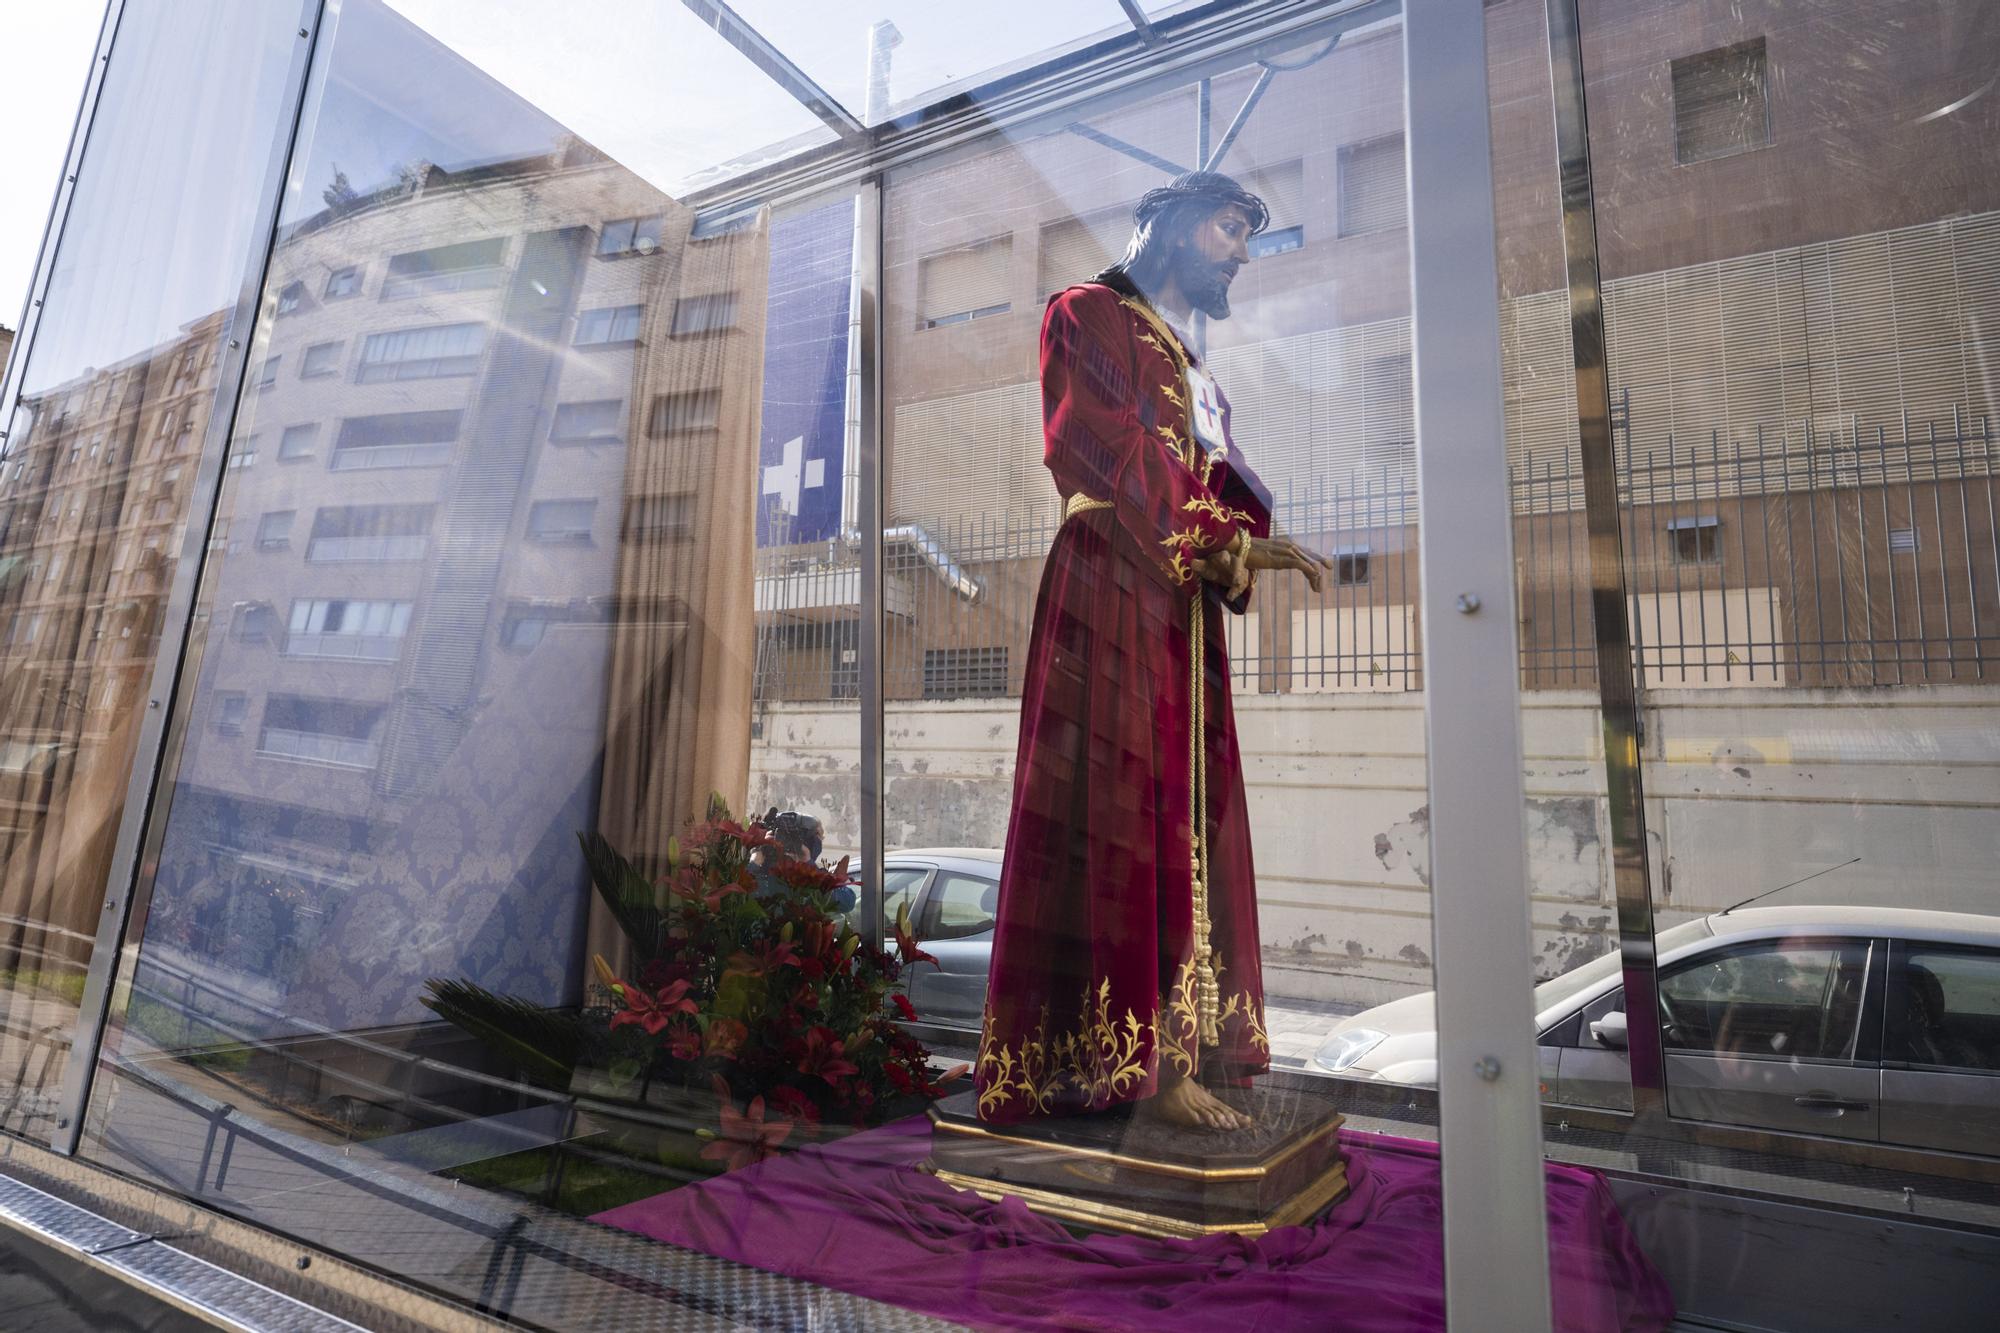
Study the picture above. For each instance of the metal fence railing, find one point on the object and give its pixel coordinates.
(1816, 556)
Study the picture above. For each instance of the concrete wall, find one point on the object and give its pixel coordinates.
(1747, 789)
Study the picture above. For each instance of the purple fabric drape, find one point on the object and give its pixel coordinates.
(859, 1216)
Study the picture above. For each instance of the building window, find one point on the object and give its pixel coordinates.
(466, 266)
(336, 627)
(598, 421)
(629, 236)
(296, 442)
(1371, 186)
(370, 533)
(609, 326)
(343, 282)
(717, 223)
(561, 520)
(396, 439)
(704, 314)
(1282, 188)
(1720, 108)
(1076, 249)
(521, 629)
(322, 731)
(1281, 241)
(653, 519)
(1350, 564)
(320, 360)
(964, 284)
(244, 452)
(965, 673)
(231, 710)
(1696, 540)
(255, 622)
(419, 354)
(268, 375)
(1902, 541)
(290, 297)
(674, 413)
(844, 677)
(274, 530)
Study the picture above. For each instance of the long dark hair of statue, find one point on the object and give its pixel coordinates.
(1166, 217)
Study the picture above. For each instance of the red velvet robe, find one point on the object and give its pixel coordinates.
(1096, 983)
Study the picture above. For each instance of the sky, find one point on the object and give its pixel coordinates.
(45, 48)
(587, 72)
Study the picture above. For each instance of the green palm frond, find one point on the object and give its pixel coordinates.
(545, 1043)
(627, 894)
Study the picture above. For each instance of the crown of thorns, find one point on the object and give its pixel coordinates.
(1206, 186)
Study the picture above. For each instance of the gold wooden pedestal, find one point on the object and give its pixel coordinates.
(1122, 1171)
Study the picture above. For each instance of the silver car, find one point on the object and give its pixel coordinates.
(1872, 1023)
(952, 894)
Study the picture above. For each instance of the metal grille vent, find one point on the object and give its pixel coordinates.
(1719, 103)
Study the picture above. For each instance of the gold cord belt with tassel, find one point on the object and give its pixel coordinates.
(1081, 504)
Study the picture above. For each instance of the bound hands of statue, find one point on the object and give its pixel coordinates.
(1231, 571)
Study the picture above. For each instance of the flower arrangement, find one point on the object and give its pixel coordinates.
(745, 981)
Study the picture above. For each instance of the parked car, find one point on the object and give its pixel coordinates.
(952, 894)
(1873, 1023)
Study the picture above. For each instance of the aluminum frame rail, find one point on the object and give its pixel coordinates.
(162, 726)
(1490, 1124)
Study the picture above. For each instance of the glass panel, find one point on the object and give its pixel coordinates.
(1797, 231)
(717, 117)
(444, 943)
(927, 52)
(516, 564)
(97, 481)
(1042, 715)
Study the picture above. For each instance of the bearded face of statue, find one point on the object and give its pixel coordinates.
(1208, 260)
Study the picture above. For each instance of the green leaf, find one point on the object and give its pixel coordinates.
(627, 894)
(738, 994)
(545, 1043)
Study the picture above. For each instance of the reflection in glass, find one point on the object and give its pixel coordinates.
(1798, 239)
(881, 60)
(97, 484)
(510, 524)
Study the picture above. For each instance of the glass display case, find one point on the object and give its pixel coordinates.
(1125, 665)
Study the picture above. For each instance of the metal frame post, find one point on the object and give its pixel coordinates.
(1617, 689)
(867, 326)
(162, 719)
(1490, 1129)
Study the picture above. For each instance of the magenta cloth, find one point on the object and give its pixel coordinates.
(858, 1215)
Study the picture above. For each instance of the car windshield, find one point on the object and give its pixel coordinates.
(1554, 992)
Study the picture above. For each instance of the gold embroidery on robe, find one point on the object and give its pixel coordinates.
(1216, 510)
(1103, 1057)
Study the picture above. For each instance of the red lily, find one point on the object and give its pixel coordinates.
(906, 943)
(745, 1138)
(753, 837)
(714, 897)
(685, 883)
(652, 1012)
(685, 1042)
(826, 1056)
(774, 955)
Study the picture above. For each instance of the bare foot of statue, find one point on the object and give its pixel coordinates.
(1186, 1103)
